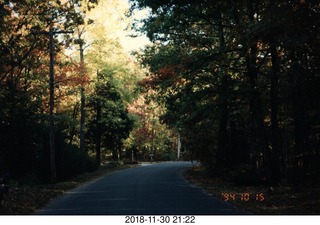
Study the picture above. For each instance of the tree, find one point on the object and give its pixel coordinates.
(150, 135)
(223, 68)
(111, 124)
(24, 74)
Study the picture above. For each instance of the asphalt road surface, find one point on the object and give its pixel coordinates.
(156, 189)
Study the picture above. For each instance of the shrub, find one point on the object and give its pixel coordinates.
(71, 161)
(166, 157)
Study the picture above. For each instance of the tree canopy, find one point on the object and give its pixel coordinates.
(240, 79)
(103, 73)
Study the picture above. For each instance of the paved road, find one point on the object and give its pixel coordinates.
(157, 189)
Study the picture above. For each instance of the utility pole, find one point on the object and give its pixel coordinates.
(99, 127)
(80, 41)
(51, 33)
(83, 97)
(179, 146)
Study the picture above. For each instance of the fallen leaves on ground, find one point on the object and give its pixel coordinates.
(25, 200)
(260, 200)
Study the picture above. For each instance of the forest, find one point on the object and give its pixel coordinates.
(69, 99)
(238, 81)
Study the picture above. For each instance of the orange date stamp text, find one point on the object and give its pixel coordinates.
(243, 197)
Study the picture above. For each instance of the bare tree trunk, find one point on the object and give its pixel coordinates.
(99, 129)
(274, 162)
(51, 104)
(222, 155)
(73, 128)
(258, 134)
(83, 101)
(98, 144)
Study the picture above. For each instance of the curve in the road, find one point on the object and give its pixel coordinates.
(156, 189)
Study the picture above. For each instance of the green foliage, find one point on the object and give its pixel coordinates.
(24, 68)
(234, 77)
(20, 131)
(166, 156)
(24, 142)
(110, 123)
(71, 161)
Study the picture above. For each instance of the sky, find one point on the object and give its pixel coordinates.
(133, 44)
(110, 14)
(130, 43)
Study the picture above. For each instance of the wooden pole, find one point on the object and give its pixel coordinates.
(51, 33)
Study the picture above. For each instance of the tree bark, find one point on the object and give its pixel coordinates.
(83, 101)
(258, 134)
(99, 133)
(73, 128)
(51, 104)
(274, 162)
(222, 154)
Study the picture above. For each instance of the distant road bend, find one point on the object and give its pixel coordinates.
(156, 189)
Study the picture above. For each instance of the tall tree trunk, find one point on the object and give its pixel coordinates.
(274, 161)
(115, 153)
(259, 142)
(99, 133)
(83, 100)
(258, 134)
(299, 104)
(73, 128)
(99, 125)
(222, 154)
(51, 105)
(299, 121)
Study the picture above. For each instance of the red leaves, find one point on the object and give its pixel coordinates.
(166, 73)
(147, 82)
(170, 72)
(145, 113)
(70, 75)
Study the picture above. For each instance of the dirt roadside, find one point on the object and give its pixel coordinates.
(260, 200)
(26, 199)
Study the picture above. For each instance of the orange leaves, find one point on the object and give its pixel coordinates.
(165, 78)
(70, 75)
(67, 78)
(167, 72)
(146, 82)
